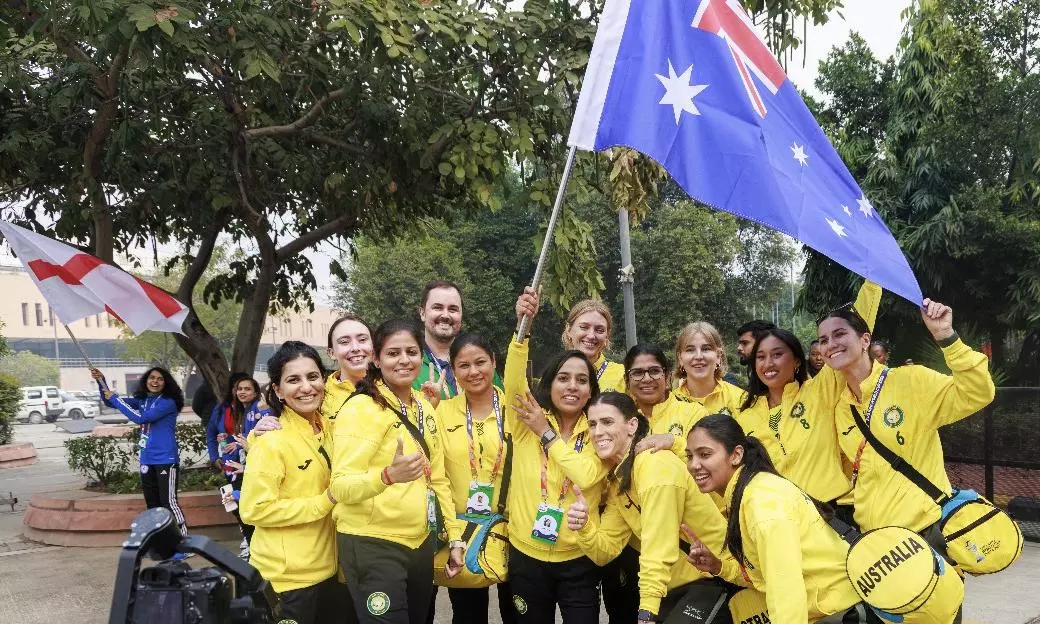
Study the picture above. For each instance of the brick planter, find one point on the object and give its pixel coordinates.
(14, 455)
(82, 518)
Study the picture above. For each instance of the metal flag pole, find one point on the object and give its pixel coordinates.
(627, 277)
(521, 328)
(82, 352)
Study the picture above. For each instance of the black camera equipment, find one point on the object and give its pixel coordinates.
(171, 592)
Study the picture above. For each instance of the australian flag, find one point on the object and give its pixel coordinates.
(693, 86)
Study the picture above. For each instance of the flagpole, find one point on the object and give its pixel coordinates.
(82, 352)
(627, 277)
(521, 328)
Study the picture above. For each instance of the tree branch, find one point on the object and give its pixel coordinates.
(327, 140)
(198, 265)
(303, 241)
(295, 127)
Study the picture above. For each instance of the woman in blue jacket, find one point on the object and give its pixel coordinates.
(154, 406)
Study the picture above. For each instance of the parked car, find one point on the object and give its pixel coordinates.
(76, 408)
(39, 403)
(91, 397)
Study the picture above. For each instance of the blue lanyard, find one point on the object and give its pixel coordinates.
(602, 369)
(499, 420)
(419, 415)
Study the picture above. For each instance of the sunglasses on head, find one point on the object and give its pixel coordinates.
(845, 307)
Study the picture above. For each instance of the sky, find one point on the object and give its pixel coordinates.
(877, 21)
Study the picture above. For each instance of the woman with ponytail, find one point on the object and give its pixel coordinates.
(649, 497)
(395, 500)
(775, 531)
(286, 496)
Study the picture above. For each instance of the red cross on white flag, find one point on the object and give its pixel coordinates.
(77, 284)
(727, 19)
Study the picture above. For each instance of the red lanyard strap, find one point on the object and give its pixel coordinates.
(579, 443)
(474, 464)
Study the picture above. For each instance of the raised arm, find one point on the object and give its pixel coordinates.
(136, 411)
(602, 540)
(970, 387)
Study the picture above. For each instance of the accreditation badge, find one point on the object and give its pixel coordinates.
(478, 501)
(547, 523)
(431, 511)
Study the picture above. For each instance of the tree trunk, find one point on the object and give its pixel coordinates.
(205, 351)
(253, 317)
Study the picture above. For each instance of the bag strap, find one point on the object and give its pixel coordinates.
(899, 464)
(507, 475)
(844, 530)
(325, 455)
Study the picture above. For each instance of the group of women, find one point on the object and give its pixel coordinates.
(654, 487)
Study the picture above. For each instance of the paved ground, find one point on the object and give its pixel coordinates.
(43, 585)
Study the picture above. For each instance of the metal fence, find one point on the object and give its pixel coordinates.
(997, 453)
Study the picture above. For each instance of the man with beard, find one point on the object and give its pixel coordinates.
(746, 337)
(440, 311)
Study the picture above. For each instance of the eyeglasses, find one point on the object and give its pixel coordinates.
(637, 374)
(850, 307)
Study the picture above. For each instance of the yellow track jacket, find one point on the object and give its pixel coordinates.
(676, 415)
(799, 434)
(451, 421)
(284, 497)
(336, 394)
(613, 377)
(914, 402)
(366, 440)
(725, 398)
(663, 496)
(583, 469)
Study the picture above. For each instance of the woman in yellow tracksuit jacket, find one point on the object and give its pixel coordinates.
(551, 453)
(475, 451)
(700, 363)
(793, 416)
(912, 403)
(788, 550)
(287, 497)
(394, 495)
(670, 417)
(649, 497)
(588, 329)
(350, 346)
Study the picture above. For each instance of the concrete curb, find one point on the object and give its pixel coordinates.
(15, 455)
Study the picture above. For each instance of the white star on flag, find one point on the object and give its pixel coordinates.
(865, 207)
(846, 210)
(679, 92)
(838, 228)
(799, 154)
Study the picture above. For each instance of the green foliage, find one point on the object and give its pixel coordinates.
(108, 462)
(190, 480)
(30, 369)
(9, 397)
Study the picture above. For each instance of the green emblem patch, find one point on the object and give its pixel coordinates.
(798, 410)
(894, 416)
(676, 429)
(431, 424)
(378, 603)
(521, 606)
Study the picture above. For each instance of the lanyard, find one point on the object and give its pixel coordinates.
(870, 410)
(602, 369)
(442, 371)
(473, 463)
(427, 471)
(579, 443)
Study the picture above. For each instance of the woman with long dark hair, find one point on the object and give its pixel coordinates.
(793, 415)
(395, 496)
(903, 408)
(649, 496)
(286, 496)
(475, 453)
(154, 406)
(786, 548)
(552, 452)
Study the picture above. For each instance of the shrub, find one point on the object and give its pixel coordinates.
(101, 459)
(9, 397)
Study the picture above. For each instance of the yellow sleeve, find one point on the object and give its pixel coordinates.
(583, 469)
(604, 540)
(263, 503)
(688, 418)
(867, 303)
(957, 396)
(661, 512)
(441, 484)
(515, 382)
(354, 478)
(780, 554)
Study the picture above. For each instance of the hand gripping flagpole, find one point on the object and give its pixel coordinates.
(521, 328)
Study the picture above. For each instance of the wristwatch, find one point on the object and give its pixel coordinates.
(548, 438)
(645, 616)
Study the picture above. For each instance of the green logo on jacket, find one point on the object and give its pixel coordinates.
(378, 603)
(893, 416)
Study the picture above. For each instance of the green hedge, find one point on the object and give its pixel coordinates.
(10, 395)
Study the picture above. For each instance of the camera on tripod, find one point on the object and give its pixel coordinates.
(172, 592)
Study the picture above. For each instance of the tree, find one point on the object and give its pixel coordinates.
(9, 396)
(30, 369)
(278, 126)
(959, 195)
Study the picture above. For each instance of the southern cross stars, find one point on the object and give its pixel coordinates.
(799, 154)
(838, 228)
(864, 206)
(679, 92)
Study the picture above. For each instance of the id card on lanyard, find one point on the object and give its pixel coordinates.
(548, 519)
(480, 495)
(870, 410)
(431, 496)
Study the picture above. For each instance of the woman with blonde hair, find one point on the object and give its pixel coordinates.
(700, 363)
(588, 329)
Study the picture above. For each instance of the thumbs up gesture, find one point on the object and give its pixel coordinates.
(405, 468)
(699, 556)
(434, 386)
(578, 512)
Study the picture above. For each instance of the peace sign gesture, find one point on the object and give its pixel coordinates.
(434, 386)
(530, 413)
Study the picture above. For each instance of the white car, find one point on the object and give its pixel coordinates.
(39, 403)
(76, 408)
